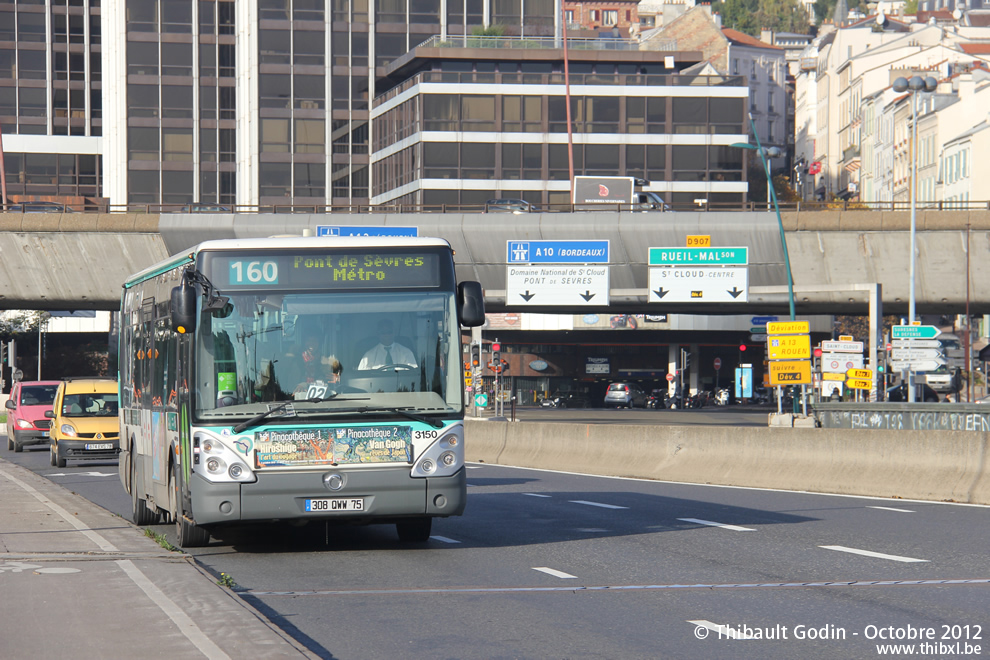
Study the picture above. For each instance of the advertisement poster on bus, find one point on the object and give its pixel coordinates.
(358, 444)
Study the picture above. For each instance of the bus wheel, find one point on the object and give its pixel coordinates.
(414, 530)
(187, 533)
(142, 514)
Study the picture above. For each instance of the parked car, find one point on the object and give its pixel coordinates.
(898, 394)
(26, 408)
(85, 424)
(508, 206)
(625, 395)
(566, 399)
(40, 207)
(205, 208)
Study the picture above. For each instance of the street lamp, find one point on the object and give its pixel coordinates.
(772, 152)
(915, 85)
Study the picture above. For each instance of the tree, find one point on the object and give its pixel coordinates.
(13, 324)
(750, 16)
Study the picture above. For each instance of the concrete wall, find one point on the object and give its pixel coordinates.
(939, 465)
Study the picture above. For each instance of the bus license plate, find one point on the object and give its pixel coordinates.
(335, 504)
(100, 445)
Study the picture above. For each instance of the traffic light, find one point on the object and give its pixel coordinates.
(475, 356)
(742, 348)
(687, 360)
(496, 352)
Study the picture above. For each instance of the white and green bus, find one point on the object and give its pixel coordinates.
(259, 382)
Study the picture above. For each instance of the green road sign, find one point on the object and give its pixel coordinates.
(914, 332)
(758, 329)
(715, 256)
(481, 400)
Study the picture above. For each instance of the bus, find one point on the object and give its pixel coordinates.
(247, 393)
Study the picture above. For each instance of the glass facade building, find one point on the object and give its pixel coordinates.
(344, 102)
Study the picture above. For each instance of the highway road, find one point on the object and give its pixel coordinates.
(555, 565)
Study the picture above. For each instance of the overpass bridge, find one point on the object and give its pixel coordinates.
(79, 261)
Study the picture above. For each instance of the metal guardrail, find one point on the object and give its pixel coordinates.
(327, 209)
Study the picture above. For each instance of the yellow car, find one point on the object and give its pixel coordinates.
(85, 424)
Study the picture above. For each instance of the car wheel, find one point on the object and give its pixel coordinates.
(51, 454)
(59, 461)
(18, 447)
(10, 443)
(414, 530)
(141, 512)
(187, 533)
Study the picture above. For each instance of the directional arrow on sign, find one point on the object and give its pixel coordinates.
(661, 292)
(527, 296)
(735, 291)
(587, 295)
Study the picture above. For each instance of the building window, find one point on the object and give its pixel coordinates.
(610, 17)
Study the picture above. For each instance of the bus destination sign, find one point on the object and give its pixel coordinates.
(312, 270)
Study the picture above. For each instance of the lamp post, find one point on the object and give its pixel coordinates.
(915, 85)
(772, 194)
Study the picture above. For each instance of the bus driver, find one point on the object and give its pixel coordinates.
(387, 352)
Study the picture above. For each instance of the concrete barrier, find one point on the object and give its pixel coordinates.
(951, 466)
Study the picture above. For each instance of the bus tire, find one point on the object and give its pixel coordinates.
(142, 513)
(414, 530)
(187, 533)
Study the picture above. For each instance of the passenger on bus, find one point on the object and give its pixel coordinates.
(315, 366)
(387, 351)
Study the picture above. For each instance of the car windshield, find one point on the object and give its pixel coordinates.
(38, 395)
(90, 404)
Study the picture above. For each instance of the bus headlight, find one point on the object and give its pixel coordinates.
(444, 457)
(215, 461)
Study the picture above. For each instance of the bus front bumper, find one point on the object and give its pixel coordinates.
(387, 494)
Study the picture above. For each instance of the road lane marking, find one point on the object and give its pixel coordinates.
(444, 539)
(868, 553)
(890, 508)
(592, 530)
(536, 495)
(81, 474)
(598, 504)
(622, 587)
(722, 631)
(735, 528)
(560, 574)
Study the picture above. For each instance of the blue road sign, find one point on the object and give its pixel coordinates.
(556, 252)
(763, 320)
(364, 230)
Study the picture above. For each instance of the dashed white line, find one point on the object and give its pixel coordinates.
(535, 495)
(598, 504)
(560, 574)
(735, 528)
(723, 631)
(444, 539)
(890, 508)
(868, 553)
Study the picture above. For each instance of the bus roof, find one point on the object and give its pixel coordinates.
(283, 242)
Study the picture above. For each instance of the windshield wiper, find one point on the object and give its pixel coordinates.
(437, 424)
(282, 407)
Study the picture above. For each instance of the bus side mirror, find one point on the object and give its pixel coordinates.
(184, 307)
(470, 304)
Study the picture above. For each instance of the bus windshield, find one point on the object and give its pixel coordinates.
(329, 352)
